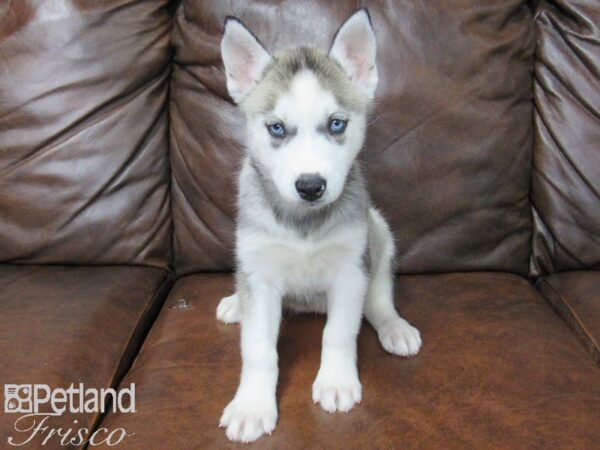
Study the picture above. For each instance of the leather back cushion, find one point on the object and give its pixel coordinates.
(448, 152)
(83, 132)
(566, 176)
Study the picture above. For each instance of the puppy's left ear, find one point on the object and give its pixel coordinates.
(355, 48)
(243, 57)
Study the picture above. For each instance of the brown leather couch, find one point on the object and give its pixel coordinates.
(118, 153)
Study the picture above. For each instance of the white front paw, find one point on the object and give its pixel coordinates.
(229, 309)
(400, 338)
(248, 418)
(337, 390)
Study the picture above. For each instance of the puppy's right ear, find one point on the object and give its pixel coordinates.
(244, 58)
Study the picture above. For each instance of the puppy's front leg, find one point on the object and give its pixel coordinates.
(253, 410)
(337, 387)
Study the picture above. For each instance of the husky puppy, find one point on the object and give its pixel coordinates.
(308, 237)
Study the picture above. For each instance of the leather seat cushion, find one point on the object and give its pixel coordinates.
(63, 325)
(498, 369)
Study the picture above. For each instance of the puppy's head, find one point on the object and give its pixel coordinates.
(305, 109)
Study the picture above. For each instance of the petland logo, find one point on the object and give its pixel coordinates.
(37, 403)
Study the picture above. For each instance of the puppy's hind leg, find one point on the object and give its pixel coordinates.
(229, 309)
(396, 335)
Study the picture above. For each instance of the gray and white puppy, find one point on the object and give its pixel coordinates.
(308, 237)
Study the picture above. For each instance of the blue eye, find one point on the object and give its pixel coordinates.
(337, 126)
(276, 130)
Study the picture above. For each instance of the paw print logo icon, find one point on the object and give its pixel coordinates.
(17, 398)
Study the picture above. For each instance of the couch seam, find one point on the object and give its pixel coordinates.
(160, 291)
(576, 322)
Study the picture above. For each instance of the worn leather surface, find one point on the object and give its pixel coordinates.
(448, 152)
(498, 369)
(61, 325)
(566, 176)
(576, 297)
(83, 132)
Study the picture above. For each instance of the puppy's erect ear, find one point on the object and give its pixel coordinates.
(355, 49)
(244, 59)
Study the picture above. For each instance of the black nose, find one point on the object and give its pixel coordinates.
(311, 186)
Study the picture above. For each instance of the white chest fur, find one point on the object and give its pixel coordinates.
(296, 265)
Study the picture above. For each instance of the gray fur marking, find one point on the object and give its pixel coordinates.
(284, 67)
(324, 130)
(351, 206)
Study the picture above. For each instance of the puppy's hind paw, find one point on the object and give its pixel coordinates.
(399, 337)
(229, 309)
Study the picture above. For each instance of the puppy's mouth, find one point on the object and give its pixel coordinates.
(313, 204)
